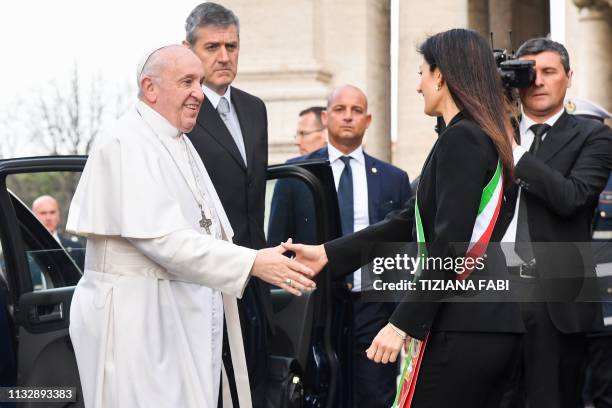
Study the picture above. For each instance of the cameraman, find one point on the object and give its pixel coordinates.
(562, 163)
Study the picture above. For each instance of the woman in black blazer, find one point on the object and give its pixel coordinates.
(471, 346)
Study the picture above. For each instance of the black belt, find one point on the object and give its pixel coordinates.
(527, 271)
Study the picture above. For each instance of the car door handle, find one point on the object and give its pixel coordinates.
(48, 313)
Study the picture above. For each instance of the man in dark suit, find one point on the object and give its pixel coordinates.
(368, 189)
(311, 134)
(46, 209)
(231, 136)
(292, 214)
(562, 164)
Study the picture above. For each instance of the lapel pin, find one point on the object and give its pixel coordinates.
(374, 170)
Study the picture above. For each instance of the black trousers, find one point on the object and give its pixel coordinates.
(600, 371)
(374, 385)
(550, 372)
(255, 336)
(464, 369)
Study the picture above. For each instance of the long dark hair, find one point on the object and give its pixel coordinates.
(467, 65)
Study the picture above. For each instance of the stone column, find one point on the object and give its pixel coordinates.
(294, 53)
(592, 64)
(500, 22)
(530, 19)
(355, 40)
(513, 22)
(278, 63)
(478, 16)
(416, 130)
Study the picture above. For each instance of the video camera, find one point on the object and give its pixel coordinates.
(514, 73)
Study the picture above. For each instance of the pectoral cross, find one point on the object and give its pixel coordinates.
(205, 222)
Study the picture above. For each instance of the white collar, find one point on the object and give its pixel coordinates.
(214, 97)
(527, 122)
(335, 154)
(160, 124)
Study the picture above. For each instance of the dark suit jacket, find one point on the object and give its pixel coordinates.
(241, 189)
(459, 165)
(75, 246)
(292, 213)
(561, 184)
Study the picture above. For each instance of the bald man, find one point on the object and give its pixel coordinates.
(147, 318)
(46, 209)
(368, 189)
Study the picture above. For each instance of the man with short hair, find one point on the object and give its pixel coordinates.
(46, 209)
(562, 163)
(292, 212)
(311, 134)
(162, 273)
(231, 138)
(368, 189)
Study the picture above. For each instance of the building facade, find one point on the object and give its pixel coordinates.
(293, 54)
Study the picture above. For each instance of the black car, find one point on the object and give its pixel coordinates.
(38, 275)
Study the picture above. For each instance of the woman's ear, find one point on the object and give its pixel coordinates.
(439, 77)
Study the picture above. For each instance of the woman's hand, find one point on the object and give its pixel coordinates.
(273, 267)
(387, 344)
(312, 256)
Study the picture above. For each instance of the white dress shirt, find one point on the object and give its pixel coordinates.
(527, 137)
(360, 191)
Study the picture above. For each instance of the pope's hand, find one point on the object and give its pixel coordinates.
(273, 267)
(387, 344)
(313, 256)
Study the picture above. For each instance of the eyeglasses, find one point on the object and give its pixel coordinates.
(302, 133)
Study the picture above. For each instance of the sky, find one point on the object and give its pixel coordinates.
(42, 39)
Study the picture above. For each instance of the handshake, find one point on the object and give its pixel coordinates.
(293, 275)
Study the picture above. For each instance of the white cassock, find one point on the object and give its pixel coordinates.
(146, 319)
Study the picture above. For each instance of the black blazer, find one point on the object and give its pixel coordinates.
(241, 189)
(458, 167)
(562, 183)
(292, 213)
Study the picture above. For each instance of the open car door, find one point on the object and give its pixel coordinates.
(37, 278)
(314, 329)
(38, 274)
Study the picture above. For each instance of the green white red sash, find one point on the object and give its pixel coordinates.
(488, 210)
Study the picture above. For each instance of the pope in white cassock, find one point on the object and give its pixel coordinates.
(146, 319)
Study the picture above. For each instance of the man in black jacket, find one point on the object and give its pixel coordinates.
(562, 164)
(375, 188)
(231, 136)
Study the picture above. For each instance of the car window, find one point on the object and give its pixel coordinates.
(290, 212)
(41, 201)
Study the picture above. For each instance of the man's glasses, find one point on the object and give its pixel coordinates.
(303, 133)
